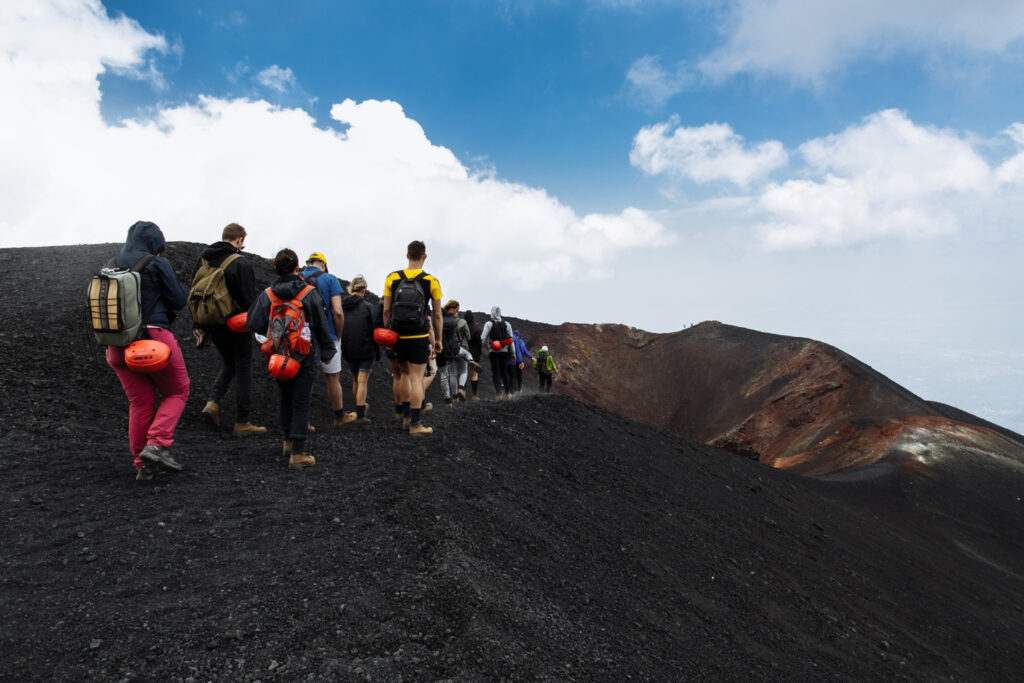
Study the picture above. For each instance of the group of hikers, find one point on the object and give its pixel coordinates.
(307, 324)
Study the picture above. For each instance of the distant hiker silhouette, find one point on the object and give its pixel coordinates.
(497, 340)
(517, 362)
(357, 345)
(455, 355)
(223, 278)
(545, 365)
(151, 427)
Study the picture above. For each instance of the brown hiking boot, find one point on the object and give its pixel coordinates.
(310, 428)
(248, 428)
(427, 407)
(418, 429)
(286, 448)
(211, 411)
(298, 460)
(345, 419)
(405, 422)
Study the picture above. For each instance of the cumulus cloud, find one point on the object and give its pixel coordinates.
(650, 86)
(704, 153)
(807, 40)
(276, 78)
(886, 176)
(359, 196)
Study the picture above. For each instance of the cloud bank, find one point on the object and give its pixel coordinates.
(358, 191)
(884, 177)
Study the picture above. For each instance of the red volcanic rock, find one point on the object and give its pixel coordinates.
(791, 403)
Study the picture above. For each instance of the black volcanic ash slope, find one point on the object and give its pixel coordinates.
(534, 539)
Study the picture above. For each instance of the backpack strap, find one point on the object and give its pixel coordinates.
(143, 262)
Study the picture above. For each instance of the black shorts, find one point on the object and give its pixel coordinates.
(416, 351)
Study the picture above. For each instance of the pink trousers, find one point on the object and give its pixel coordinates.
(148, 423)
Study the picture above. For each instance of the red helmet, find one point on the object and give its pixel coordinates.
(506, 342)
(147, 355)
(236, 323)
(282, 368)
(496, 345)
(385, 337)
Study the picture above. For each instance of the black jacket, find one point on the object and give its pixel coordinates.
(162, 294)
(238, 276)
(287, 287)
(361, 317)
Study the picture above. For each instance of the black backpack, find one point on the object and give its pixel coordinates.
(499, 332)
(409, 305)
(450, 346)
(542, 362)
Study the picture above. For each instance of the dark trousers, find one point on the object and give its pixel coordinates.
(545, 382)
(296, 395)
(236, 363)
(499, 372)
(515, 377)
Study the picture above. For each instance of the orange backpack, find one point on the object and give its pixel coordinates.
(288, 333)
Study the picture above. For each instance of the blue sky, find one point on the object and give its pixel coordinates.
(850, 172)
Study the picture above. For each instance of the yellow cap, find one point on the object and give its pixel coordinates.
(317, 256)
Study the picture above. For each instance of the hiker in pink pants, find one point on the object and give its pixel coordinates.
(151, 426)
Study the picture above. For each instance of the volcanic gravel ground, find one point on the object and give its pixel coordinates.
(538, 538)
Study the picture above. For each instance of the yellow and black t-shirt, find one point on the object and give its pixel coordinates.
(431, 289)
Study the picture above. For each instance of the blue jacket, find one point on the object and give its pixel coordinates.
(162, 294)
(519, 346)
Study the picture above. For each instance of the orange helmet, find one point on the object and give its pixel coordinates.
(496, 345)
(283, 368)
(385, 337)
(236, 323)
(147, 356)
(506, 342)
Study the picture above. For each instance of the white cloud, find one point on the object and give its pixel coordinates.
(359, 196)
(277, 78)
(887, 176)
(808, 39)
(650, 86)
(704, 153)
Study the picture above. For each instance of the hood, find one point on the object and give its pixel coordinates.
(143, 238)
(288, 286)
(496, 314)
(217, 252)
(350, 301)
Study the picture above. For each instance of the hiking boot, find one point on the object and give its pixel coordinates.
(345, 419)
(406, 421)
(418, 428)
(154, 454)
(366, 409)
(242, 428)
(462, 395)
(145, 473)
(298, 460)
(310, 428)
(211, 411)
(427, 407)
(286, 448)
(476, 366)
(363, 420)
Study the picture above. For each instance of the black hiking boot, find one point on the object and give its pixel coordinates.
(145, 473)
(154, 455)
